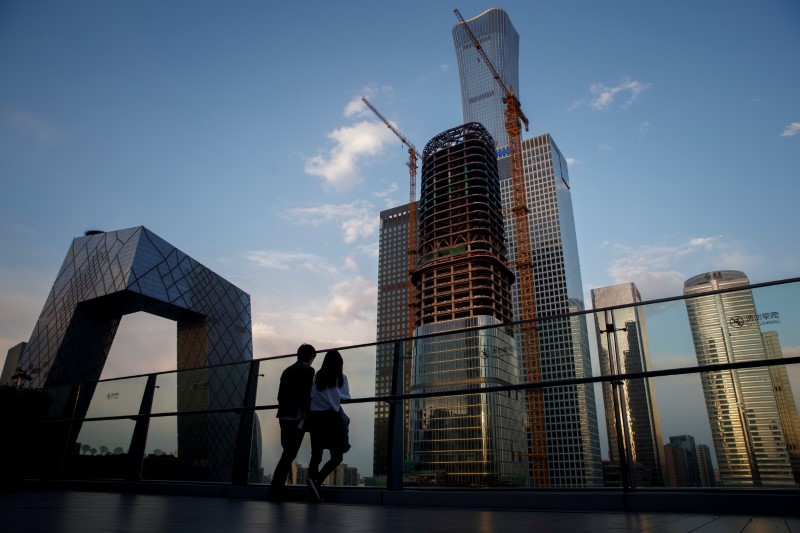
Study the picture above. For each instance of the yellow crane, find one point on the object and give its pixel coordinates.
(527, 297)
(413, 154)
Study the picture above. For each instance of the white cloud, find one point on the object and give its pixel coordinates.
(605, 96)
(659, 270)
(290, 260)
(35, 125)
(605, 147)
(357, 108)
(643, 129)
(357, 220)
(573, 161)
(338, 168)
(791, 130)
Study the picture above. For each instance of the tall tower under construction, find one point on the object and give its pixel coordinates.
(463, 281)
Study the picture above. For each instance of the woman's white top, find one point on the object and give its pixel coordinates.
(330, 398)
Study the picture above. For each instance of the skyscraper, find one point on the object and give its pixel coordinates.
(573, 441)
(481, 98)
(462, 281)
(573, 446)
(787, 410)
(742, 410)
(392, 319)
(623, 348)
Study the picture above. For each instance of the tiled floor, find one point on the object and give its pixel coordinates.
(89, 512)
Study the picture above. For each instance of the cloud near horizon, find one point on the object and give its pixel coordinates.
(357, 220)
(660, 270)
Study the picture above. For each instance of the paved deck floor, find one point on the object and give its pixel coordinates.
(55, 511)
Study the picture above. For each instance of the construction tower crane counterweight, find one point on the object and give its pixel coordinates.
(527, 297)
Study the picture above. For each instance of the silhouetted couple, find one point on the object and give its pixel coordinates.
(312, 403)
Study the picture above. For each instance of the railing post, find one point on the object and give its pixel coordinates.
(136, 451)
(244, 438)
(394, 471)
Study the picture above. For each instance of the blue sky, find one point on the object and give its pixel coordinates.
(234, 131)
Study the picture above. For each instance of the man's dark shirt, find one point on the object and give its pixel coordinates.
(295, 390)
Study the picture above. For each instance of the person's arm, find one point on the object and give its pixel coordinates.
(344, 390)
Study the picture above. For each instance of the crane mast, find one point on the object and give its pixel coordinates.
(413, 154)
(530, 337)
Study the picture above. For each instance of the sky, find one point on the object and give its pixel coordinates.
(235, 131)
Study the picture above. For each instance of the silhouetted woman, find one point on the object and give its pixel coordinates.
(328, 421)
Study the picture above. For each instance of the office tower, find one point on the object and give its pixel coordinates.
(392, 320)
(787, 409)
(668, 470)
(742, 410)
(462, 281)
(481, 96)
(684, 460)
(573, 442)
(623, 348)
(705, 466)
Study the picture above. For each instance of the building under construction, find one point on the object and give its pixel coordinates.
(462, 281)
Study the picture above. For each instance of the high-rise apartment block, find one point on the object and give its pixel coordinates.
(463, 281)
(623, 348)
(481, 96)
(749, 440)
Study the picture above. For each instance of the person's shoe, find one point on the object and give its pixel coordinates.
(314, 490)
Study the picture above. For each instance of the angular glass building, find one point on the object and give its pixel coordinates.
(106, 275)
(748, 436)
(573, 441)
(623, 348)
(481, 98)
(462, 281)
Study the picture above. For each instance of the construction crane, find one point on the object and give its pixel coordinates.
(413, 154)
(527, 297)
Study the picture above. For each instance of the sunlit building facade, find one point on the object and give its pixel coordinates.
(462, 281)
(573, 441)
(481, 96)
(749, 440)
(622, 346)
(784, 397)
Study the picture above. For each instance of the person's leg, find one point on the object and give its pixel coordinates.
(316, 457)
(291, 439)
(330, 466)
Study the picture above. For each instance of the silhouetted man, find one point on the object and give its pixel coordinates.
(293, 395)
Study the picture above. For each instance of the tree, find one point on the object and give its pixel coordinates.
(85, 448)
(103, 450)
(93, 451)
(118, 450)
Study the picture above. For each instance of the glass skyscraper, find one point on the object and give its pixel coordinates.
(623, 348)
(573, 441)
(748, 436)
(463, 281)
(481, 98)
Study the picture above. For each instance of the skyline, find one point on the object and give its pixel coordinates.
(237, 134)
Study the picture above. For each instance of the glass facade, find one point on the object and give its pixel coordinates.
(106, 275)
(573, 441)
(742, 408)
(622, 348)
(481, 98)
(470, 440)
